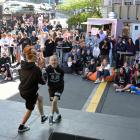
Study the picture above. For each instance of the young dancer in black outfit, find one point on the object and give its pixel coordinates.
(30, 77)
(55, 79)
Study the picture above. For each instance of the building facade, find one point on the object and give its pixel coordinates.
(125, 9)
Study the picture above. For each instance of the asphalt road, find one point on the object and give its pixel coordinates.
(75, 94)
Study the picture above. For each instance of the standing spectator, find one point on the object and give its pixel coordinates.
(130, 47)
(137, 44)
(89, 40)
(58, 26)
(49, 49)
(33, 38)
(30, 28)
(104, 49)
(24, 41)
(102, 35)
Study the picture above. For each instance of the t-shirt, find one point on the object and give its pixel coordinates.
(55, 76)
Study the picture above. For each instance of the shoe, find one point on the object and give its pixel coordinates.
(51, 120)
(118, 90)
(102, 81)
(58, 119)
(97, 81)
(23, 128)
(128, 90)
(43, 119)
(133, 92)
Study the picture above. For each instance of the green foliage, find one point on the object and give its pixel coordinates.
(70, 5)
(82, 17)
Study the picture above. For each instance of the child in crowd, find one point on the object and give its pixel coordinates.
(120, 79)
(55, 79)
(135, 85)
(103, 71)
(90, 69)
(127, 71)
(6, 72)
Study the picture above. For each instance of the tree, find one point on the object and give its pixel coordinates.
(80, 10)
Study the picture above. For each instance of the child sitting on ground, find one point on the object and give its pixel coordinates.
(103, 71)
(90, 69)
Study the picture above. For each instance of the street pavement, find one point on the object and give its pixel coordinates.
(75, 95)
(121, 103)
(119, 118)
(74, 122)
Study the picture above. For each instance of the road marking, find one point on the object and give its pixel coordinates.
(96, 98)
(90, 97)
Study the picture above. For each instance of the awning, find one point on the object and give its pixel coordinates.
(100, 21)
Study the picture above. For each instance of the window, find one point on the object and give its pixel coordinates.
(136, 27)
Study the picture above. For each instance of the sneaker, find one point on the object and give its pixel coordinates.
(118, 90)
(23, 128)
(58, 119)
(43, 119)
(97, 81)
(102, 81)
(133, 92)
(128, 90)
(51, 120)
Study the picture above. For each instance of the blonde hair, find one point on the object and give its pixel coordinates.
(53, 57)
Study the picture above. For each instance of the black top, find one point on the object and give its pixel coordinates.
(92, 68)
(55, 76)
(30, 77)
(49, 48)
(24, 42)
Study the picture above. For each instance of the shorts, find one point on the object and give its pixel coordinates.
(30, 100)
(53, 91)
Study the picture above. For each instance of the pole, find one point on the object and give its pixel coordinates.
(122, 2)
(134, 2)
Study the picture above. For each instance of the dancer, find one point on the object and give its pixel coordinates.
(30, 77)
(55, 79)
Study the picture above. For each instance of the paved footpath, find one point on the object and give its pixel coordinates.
(74, 122)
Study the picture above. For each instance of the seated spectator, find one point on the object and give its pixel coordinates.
(5, 59)
(90, 69)
(103, 71)
(127, 71)
(120, 79)
(135, 85)
(88, 57)
(135, 73)
(6, 72)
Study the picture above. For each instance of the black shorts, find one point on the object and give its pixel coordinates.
(30, 100)
(55, 91)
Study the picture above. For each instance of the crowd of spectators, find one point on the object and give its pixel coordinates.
(80, 53)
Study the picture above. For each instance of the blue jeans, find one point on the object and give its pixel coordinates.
(103, 73)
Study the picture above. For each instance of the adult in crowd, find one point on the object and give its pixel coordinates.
(137, 44)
